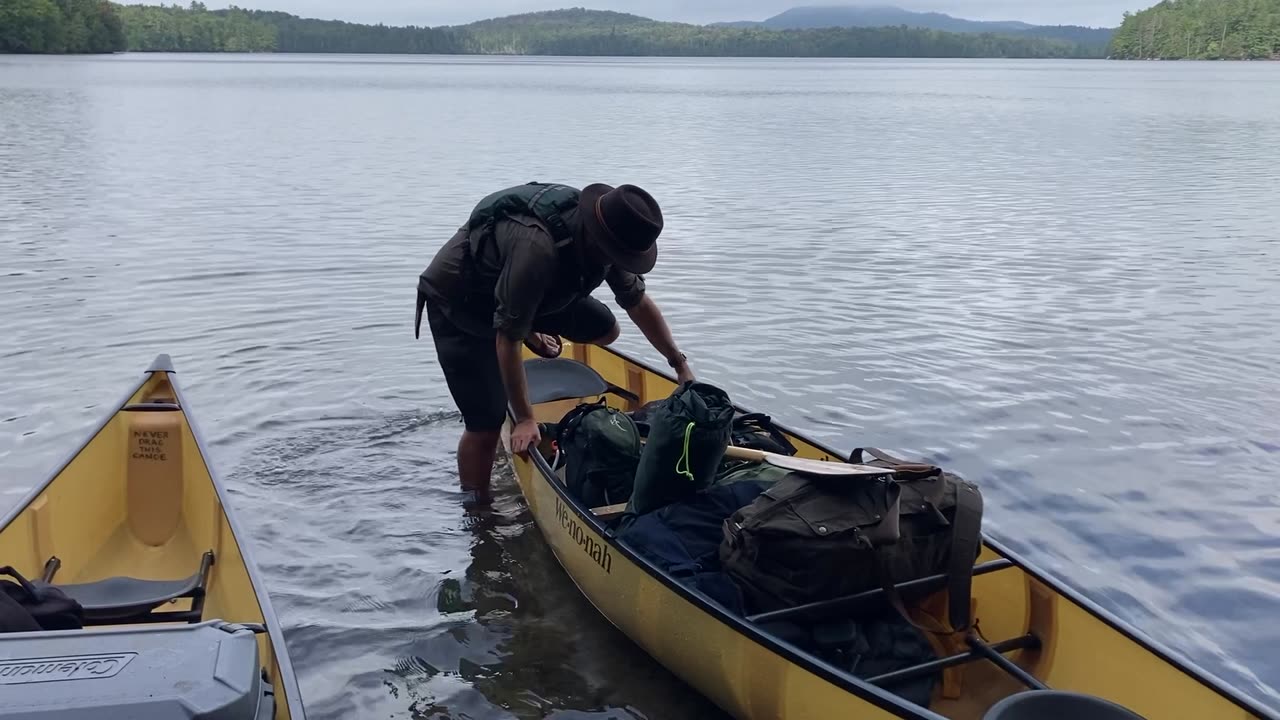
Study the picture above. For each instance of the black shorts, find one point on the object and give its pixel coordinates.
(470, 363)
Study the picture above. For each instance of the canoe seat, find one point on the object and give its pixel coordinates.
(555, 379)
(126, 599)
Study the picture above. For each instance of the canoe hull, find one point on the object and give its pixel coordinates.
(753, 676)
(139, 499)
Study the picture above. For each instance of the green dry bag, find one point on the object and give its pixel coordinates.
(688, 434)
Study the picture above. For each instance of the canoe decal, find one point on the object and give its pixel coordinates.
(150, 444)
(71, 667)
(594, 549)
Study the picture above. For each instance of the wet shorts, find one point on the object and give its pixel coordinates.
(470, 363)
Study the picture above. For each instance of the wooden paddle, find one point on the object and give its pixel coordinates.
(805, 465)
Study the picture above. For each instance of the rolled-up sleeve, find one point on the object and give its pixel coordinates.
(628, 288)
(530, 266)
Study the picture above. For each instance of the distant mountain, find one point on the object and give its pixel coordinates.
(870, 16)
(582, 32)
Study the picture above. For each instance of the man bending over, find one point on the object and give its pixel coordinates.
(521, 271)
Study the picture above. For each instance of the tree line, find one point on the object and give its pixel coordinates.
(590, 32)
(1201, 30)
(24, 27)
(1234, 29)
(60, 26)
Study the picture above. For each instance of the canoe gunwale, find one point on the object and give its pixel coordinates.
(162, 364)
(288, 678)
(865, 691)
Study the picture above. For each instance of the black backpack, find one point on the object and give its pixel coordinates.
(809, 539)
(601, 450)
(757, 431)
(29, 607)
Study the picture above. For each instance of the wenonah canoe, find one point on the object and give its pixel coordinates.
(174, 620)
(1040, 647)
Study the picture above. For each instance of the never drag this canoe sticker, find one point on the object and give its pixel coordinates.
(594, 549)
(150, 444)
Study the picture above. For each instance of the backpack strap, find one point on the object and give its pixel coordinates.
(900, 467)
(561, 233)
(895, 598)
(966, 538)
(765, 424)
(568, 425)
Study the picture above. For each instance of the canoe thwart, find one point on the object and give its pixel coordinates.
(554, 379)
(870, 598)
(151, 407)
(121, 599)
(1025, 642)
(986, 651)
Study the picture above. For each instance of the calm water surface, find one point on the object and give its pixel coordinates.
(1059, 278)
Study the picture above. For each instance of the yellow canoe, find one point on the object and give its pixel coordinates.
(137, 528)
(1035, 634)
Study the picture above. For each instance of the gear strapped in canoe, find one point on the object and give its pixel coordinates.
(553, 379)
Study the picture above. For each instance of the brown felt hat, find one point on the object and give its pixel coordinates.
(624, 222)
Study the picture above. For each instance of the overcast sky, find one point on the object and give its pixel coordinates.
(449, 12)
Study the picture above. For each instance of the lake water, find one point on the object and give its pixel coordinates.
(1061, 279)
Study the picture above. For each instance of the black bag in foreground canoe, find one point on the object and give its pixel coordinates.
(24, 604)
(688, 434)
(601, 448)
(811, 539)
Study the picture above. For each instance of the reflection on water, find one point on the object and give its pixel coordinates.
(473, 619)
(1058, 278)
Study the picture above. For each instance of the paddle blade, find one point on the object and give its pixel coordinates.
(805, 465)
(822, 467)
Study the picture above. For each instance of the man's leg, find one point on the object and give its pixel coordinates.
(470, 366)
(587, 321)
(476, 452)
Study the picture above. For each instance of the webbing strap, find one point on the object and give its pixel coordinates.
(895, 599)
(966, 535)
(966, 538)
(560, 231)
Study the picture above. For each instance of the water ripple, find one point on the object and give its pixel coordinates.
(1057, 278)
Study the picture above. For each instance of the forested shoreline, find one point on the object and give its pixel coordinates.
(194, 28)
(1201, 30)
(1173, 29)
(60, 26)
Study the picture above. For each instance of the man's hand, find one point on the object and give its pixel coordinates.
(524, 437)
(684, 373)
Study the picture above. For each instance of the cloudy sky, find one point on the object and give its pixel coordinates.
(449, 12)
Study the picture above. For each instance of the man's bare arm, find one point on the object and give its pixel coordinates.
(646, 315)
(525, 435)
(513, 377)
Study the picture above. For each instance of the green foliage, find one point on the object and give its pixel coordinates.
(194, 28)
(60, 26)
(295, 34)
(586, 32)
(153, 28)
(98, 26)
(1201, 30)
